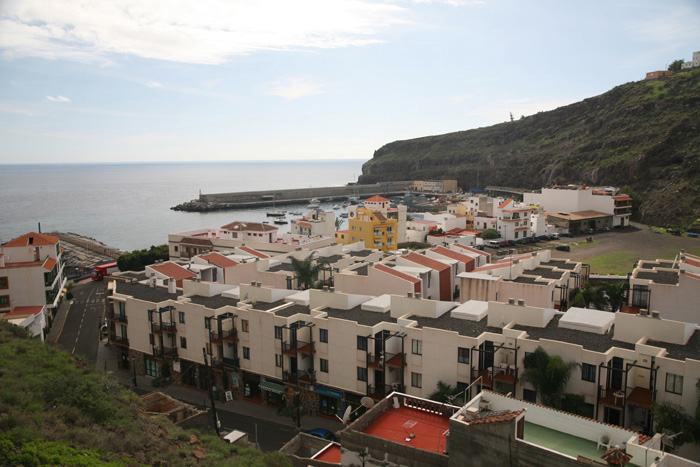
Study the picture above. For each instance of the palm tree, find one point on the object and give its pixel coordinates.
(549, 375)
(306, 271)
(339, 222)
(444, 393)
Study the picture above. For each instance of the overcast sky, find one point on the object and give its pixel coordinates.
(168, 80)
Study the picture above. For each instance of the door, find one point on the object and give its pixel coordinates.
(125, 360)
(612, 416)
(379, 381)
(615, 379)
(486, 357)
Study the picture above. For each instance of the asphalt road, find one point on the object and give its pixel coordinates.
(80, 332)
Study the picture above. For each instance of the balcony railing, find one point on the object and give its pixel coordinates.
(391, 359)
(119, 340)
(161, 352)
(164, 327)
(229, 335)
(217, 364)
(232, 362)
(299, 347)
(117, 317)
(300, 376)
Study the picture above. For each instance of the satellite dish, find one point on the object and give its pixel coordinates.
(346, 415)
(367, 402)
(667, 439)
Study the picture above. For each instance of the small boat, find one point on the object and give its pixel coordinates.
(344, 215)
(295, 213)
(345, 205)
(275, 214)
(336, 207)
(314, 203)
(354, 200)
(281, 221)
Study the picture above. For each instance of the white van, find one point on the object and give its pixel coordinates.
(494, 244)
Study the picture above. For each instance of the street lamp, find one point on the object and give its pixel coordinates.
(133, 365)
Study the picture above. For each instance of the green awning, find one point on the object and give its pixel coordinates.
(273, 387)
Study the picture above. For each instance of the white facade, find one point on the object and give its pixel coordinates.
(513, 220)
(315, 223)
(446, 221)
(694, 63)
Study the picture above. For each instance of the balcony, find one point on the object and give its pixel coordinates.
(165, 352)
(119, 340)
(612, 397)
(120, 317)
(395, 360)
(299, 376)
(299, 347)
(486, 376)
(217, 364)
(163, 327)
(231, 362)
(229, 335)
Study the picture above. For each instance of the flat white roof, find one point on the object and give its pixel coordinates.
(472, 310)
(380, 304)
(481, 275)
(583, 319)
(300, 298)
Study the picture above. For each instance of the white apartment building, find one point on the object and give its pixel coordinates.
(315, 223)
(336, 348)
(574, 198)
(446, 221)
(513, 220)
(669, 288)
(31, 274)
(32, 318)
(694, 63)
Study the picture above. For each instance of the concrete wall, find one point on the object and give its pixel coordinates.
(374, 283)
(631, 328)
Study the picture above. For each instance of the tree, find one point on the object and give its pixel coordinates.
(549, 376)
(579, 301)
(339, 222)
(409, 218)
(615, 294)
(444, 393)
(593, 295)
(306, 271)
(437, 231)
(137, 260)
(674, 417)
(675, 65)
(69, 290)
(489, 234)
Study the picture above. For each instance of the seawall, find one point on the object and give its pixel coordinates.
(254, 199)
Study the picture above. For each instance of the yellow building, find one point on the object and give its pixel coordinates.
(374, 229)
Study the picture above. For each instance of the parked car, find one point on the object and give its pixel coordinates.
(563, 248)
(322, 433)
(565, 234)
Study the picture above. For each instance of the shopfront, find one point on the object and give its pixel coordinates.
(330, 401)
(273, 392)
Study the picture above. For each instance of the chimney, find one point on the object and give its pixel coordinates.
(252, 283)
(152, 282)
(418, 295)
(643, 312)
(325, 288)
(332, 289)
(410, 295)
(521, 302)
(259, 284)
(656, 315)
(172, 286)
(511, 301)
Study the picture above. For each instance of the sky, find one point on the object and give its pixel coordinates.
(228, 80)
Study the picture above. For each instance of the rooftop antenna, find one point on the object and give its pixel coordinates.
(366, 402)
(667, 439)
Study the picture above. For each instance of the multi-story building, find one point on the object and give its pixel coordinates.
(669, 288)
(694, 63)
(335, 348)
(436, 186)
(373, 228)
(31, 274)
(32, 318)
(315, 223)
(513, 220)
(576, 199)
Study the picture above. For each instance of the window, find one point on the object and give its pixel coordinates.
(416, 380)
(151, 339)
(674, 383)
(151, 367)
(183, 342)
(361, 342)
(324, 365)
(207, 323)
(244, 325)
(278, 332)
(278, 360)
(4, 283)
(462, 355)
(4, 300)
(640, 296)
(529, 395)
(361, 373)
(588, 372)
(246, 353)
(323, 335)
(417, 346)
(181, 315)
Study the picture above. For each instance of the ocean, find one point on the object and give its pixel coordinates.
(127, 206)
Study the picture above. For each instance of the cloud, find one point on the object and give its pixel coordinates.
(203, 32)
(58, 99)
(154, 84)
(294, 89)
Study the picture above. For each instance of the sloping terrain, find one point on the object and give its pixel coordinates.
(644, 134)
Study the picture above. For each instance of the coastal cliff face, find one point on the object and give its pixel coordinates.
(644, 134)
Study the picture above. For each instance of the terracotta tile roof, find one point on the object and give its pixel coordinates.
(377, 199)
(303, 223)
(49, 264)
(471, 250)
(393, 272)
(37, 240)
(694, 276)
(497, 417)
(254, 252)
(171, 269)
(427, 262)
(467, 260)
(196, 241)
(249, 226)
(23, 264)
(692, 260)
(622, 198)
(379, 216)
(217, 259)
(20, 311)
(505, 203)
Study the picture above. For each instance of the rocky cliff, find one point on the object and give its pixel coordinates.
(644, 134)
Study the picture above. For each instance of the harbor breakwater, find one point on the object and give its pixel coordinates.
(256, 199)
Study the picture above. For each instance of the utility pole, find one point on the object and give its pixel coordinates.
(211, 393)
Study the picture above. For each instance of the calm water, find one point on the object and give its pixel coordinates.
(127, 206)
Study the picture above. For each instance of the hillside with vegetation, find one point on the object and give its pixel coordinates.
(56, 410)
(645, 135)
